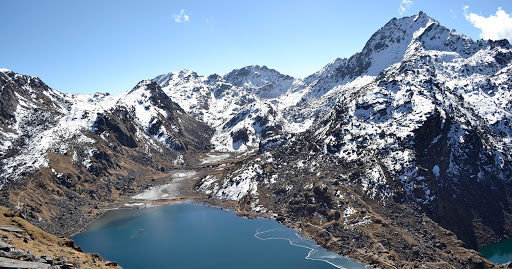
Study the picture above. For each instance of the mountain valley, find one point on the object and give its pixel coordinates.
(398, 156)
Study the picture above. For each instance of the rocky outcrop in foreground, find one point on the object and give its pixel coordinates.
(23, 245)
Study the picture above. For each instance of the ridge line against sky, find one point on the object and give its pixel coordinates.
(109, 46)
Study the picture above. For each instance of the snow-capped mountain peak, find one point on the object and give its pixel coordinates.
(254, 75)
(260, 80)
(172, 78)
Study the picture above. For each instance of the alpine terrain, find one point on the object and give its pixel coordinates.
(398, 156)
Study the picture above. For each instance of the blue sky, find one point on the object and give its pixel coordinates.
(108, 46)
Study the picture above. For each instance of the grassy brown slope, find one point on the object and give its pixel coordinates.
(41, 243)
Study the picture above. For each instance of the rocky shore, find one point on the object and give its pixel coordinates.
(23, 245)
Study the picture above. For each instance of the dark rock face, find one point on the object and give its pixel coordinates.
(154, 127)
(120, 126)
(235, 120)
(240, 136)
(462, 170)
(26, 87)
(7, 106)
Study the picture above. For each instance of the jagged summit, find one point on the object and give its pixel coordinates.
(143, 85)
(403, 38)
(183, 75)
(149, 91)
(254, 76)
(399, 40)
(146, 86)
(390, 43)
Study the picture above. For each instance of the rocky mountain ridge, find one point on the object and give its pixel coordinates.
(64, 153)
(421, 117)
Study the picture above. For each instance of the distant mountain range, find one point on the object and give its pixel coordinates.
(389, 156)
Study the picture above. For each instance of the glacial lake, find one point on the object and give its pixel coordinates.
(500, 252)
(195, 236)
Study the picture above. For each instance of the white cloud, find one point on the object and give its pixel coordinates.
(181, 18)
(465, 8)
(404, 6)
(494, 27)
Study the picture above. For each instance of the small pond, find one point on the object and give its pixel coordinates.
(500, 252)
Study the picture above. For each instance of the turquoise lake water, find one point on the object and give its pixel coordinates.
(195, 236)
(500, 252)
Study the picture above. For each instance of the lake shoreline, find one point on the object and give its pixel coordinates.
(209, 202)
(126, 221)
